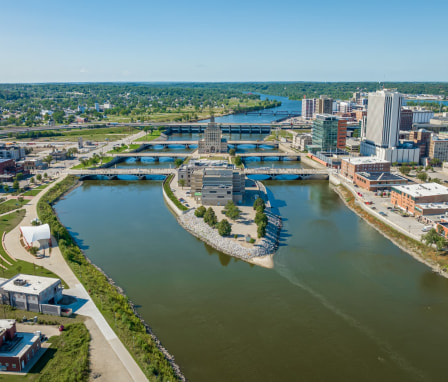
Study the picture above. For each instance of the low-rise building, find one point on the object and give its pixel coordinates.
(12, 152)
(34, 164)
(407, 197)
(214, 186)
(352, 165)
(33, 293)
(438, 149)
(17, 349)
(376, 181)
(7, 165)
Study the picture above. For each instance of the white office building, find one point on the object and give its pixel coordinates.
(308, 107)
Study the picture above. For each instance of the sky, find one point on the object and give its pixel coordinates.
(231, 40)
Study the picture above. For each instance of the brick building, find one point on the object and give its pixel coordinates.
(17, 349)
(352, 165)
(407, 197)
(378, 181)
(422, 139)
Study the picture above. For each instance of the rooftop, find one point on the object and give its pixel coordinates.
(426, 189)
(365, 160)
(433, 206)
(380, 176)
(6, 324)
(29, 284)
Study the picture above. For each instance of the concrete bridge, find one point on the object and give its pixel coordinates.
(150, 155)
(141, 173)
(187, 144)
(281, 156)
(275, 112)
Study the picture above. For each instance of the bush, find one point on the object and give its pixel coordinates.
(200, 212)
(261, 230)
(232, 211)
(238, 161)
(169, 193)
(259, 204)
(210, 217)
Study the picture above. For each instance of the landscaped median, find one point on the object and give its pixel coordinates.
(170, 194)
(154, 360)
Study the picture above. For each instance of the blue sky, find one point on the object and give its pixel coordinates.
(376, 40)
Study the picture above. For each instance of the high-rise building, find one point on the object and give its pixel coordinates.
(406, 119)
(383, 118)
(329, 132)
(324, 105)
(308, 107)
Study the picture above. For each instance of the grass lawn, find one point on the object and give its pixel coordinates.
(11, 205)
(67, 359)
(149, 137)
(117, 150)
(33, 192)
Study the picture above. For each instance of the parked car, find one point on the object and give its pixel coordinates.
(382, 213)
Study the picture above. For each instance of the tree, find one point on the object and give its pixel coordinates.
(238, 161)
(436, 180)
(259, 204)
(232, 152)
(261, 230)
(45, 175)
(422, 176)
(19, 176)
(182, 183)
(433, 237)
(224, 228)
(261, 218)
(15, 185)
(178, 162)
(48, 159)
(32, 180)
(232, 211)
(405, 170)
(6, 188)
(33, 250)
(200, 211)
(435, 162)
(210, 217)
(39, 177)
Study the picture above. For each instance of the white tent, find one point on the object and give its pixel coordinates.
(35, 233)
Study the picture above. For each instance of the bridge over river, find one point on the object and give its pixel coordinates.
(272, 173)
(187, 144)
(280, 156)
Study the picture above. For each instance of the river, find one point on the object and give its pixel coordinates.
(341, 304)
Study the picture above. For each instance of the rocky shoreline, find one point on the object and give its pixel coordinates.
(266, 247)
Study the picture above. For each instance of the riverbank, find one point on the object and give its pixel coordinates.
(419, 251)
(117, 310)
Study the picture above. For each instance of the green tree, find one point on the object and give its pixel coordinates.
(436, 180)
(32, 180)
(261, 218)
(238, 161)
(261, 230)
(182, 183)
(6, 188)
(178, 162)
(33, 250)
(232, 152)
(224, 228)
(48, 159)
(210, 217)
(433, 237)
(200, 211)
(45, 175)
(232, 211)
(422, 176)
(15, 185)
(259, 204)
(405, 170)
(39, 177)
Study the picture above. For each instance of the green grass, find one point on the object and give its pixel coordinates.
(33, 192)
(67, 359)
(134, 146)
(118, 150)
(169, 193)
(8, 222)
(11, 205)
(149, 137)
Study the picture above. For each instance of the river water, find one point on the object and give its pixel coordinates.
(341, 304)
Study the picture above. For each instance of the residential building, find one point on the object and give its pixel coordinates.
(308, 107)
(356, 97)
(438, 149)
(406, 119)
(352, 165)
(12, 152)
(407, 197)
(329, 132)
(300, 141)
(375, 181)
(214, 186)
(213, 142)
(324, 105)
(33, 293)
(17, 349)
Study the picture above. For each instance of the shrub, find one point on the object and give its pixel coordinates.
(224, 228)
(200, 211)
(210, 217)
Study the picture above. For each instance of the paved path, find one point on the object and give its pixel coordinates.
(103, 337)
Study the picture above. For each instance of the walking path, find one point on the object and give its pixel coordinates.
(105, 343)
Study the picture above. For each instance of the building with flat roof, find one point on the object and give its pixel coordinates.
(213, 186)
(329, 132)
(213, 142)
(406, 119)
(438, 149)
(34, 293)
(17, 349)
(352, 165)
(324, 105)
(300, 141)
(308, 107)
(376, 181)
(407, 197)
